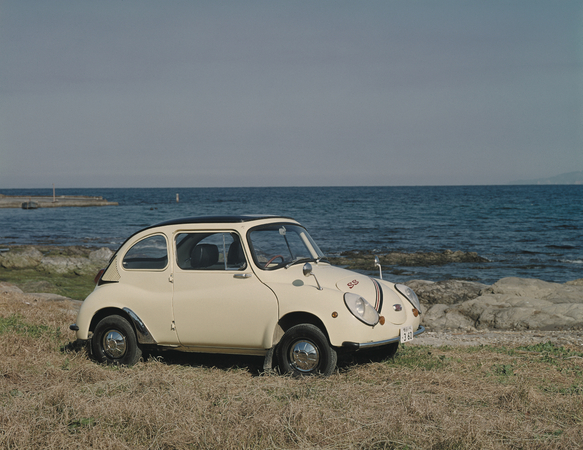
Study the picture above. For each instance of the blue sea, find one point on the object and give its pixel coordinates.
(524, 231)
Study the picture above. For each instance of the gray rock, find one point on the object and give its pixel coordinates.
(67, 264)
(511, 312)
(60, 260)
(445, 317)
(514, 304)
(20, 258)
(446, 292)
(528, 287)
(9, 287)
(103, 255)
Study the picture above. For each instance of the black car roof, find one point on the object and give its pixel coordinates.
(206, 219)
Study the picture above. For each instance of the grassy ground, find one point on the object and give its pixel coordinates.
(73, 286)
(426, 398)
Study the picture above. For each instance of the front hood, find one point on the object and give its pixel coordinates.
(379, 294)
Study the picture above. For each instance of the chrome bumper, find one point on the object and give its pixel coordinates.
(357, 346)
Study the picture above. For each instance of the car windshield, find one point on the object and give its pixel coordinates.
(281, 245)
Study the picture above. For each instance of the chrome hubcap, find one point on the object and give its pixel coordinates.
(304, 356)
(114, 344)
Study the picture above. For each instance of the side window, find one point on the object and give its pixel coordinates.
(148, 254)
(210, 251)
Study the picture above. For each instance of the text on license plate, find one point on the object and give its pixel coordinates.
(406, 334)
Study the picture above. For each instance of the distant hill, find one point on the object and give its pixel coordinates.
(564, 178)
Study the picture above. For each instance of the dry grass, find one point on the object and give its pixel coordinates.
(427, 398)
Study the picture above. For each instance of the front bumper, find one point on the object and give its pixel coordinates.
(357, 346)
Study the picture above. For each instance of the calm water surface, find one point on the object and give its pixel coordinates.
(525, 231)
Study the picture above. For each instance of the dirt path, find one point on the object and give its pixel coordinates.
(570, 338)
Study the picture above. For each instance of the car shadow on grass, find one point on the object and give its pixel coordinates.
(252, 364)
(227, 362)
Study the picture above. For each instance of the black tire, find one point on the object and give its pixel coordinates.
(114, 342)
(304, 350)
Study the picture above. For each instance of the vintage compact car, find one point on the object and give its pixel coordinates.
(253, 285)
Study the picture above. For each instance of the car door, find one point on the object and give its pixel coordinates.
(218, 301)
(146, 273)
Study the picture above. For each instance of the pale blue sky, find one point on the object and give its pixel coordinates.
(124, 93)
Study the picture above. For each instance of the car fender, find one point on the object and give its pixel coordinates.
(126, 300)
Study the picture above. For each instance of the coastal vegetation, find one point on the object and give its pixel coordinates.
(74, 286)
(52, 396)
(68, 270)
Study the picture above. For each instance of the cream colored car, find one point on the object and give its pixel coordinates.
(253, 285)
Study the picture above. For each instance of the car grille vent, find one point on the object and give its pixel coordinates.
(111, 274)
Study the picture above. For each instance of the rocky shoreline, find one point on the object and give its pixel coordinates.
(459, 311)
(363, 260)
(75, 260)
(514, 304)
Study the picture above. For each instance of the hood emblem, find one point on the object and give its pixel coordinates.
(397, 307)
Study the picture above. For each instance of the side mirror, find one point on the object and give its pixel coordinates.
(307, 269)
(377, 263)
(308, 272)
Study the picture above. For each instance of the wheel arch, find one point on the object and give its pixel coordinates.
(111, 311)
(299, 317)
(142, 333)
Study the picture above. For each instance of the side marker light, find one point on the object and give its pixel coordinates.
(382, 320)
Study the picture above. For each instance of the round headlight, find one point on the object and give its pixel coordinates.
(361, 309)
(407, 292)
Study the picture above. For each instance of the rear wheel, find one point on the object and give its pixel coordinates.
(114, 342)
(304, 350)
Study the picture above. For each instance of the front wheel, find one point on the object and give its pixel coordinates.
(304, 350)
(114, 342)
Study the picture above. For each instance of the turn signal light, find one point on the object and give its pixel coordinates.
(334, 315)
(382, 320)
(415, 312)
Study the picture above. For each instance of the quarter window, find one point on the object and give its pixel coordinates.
(148, 254)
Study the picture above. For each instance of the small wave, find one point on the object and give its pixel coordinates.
(567, 227)
(572, 261)
(561, 247)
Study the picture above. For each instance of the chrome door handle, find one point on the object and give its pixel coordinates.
(242, 275)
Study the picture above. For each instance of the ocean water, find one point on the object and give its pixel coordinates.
(524, 231)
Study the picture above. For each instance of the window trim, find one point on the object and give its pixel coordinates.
(129, 269)
(210, 232)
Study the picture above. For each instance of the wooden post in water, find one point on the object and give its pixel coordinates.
(177, 198)
(54, 200)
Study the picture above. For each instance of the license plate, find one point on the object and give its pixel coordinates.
(406, 334)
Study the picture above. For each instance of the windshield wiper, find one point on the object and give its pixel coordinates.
(298, 260)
